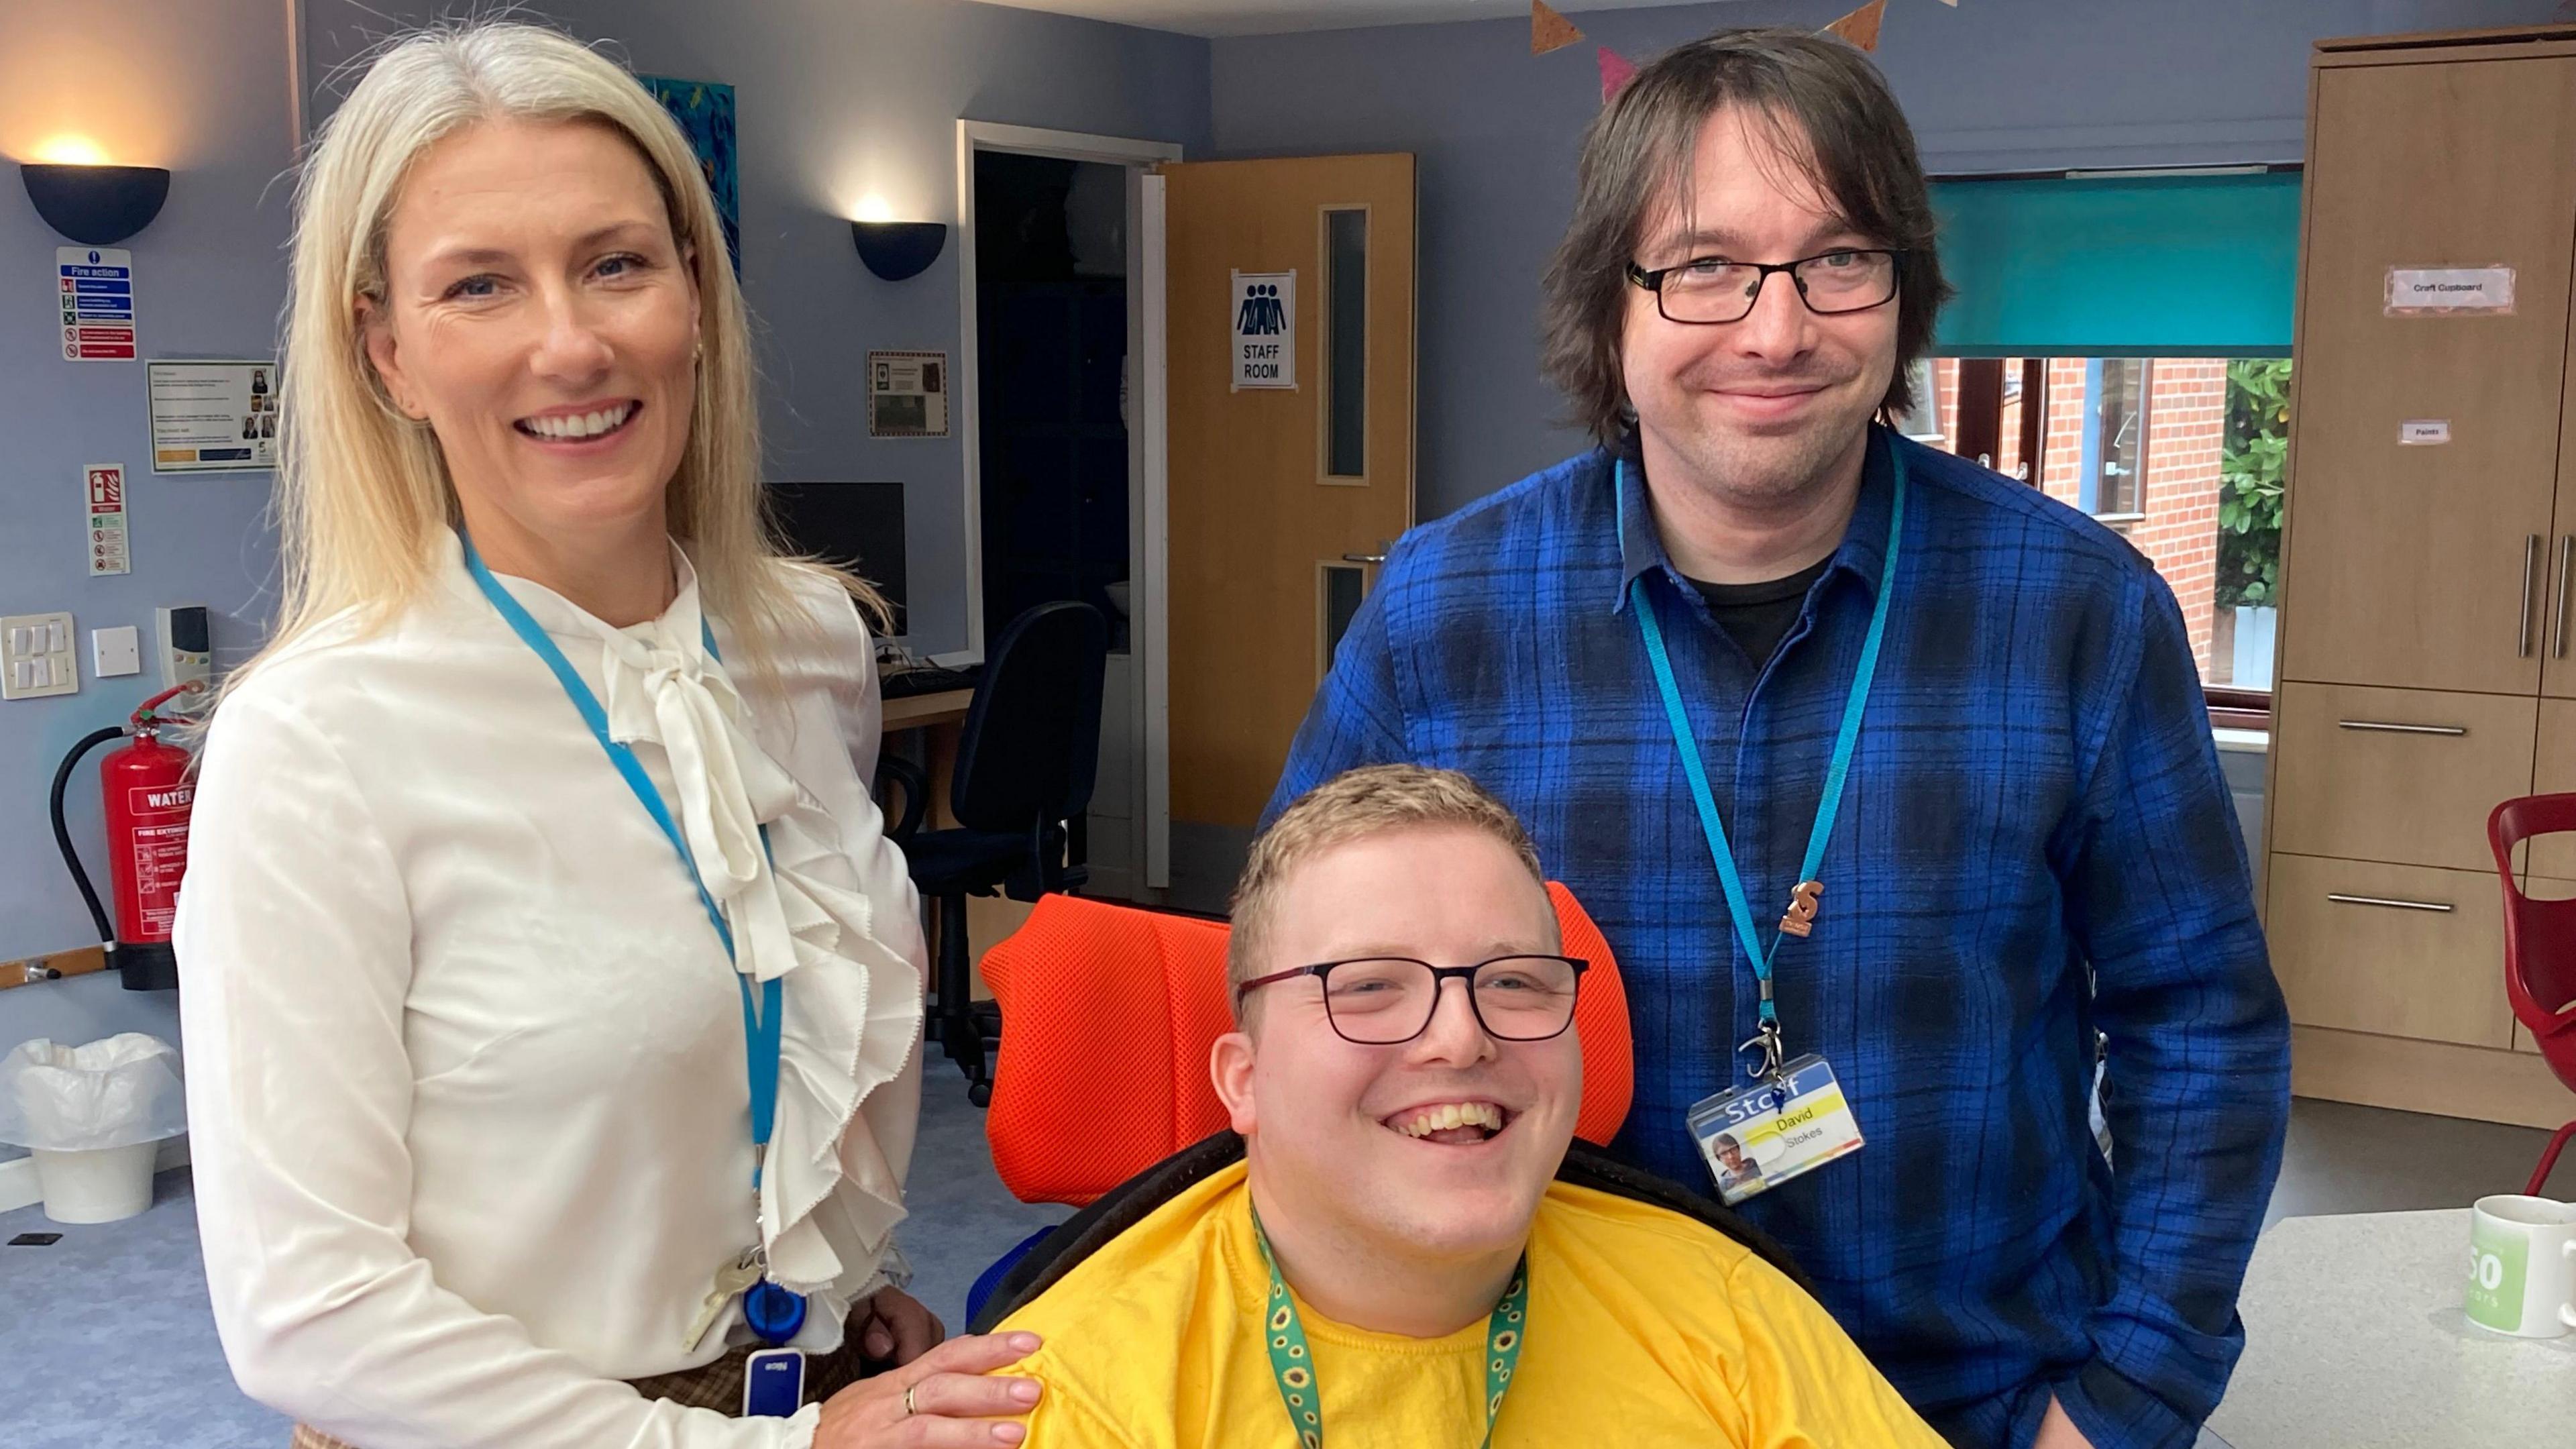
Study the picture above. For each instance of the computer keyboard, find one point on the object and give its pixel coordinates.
(905, 683)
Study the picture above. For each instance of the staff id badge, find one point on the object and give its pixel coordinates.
(773, 1383)
(1760, 1136)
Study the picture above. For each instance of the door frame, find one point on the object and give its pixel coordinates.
(1147, 478)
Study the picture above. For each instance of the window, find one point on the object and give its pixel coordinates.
(1346, 343)
(1923, 422)
(2184, 455)
(2117, 392)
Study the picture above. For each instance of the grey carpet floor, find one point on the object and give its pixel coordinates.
(106, 1337)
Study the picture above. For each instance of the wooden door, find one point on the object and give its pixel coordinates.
(2558, 657)
(2423, 566)
(1281, 498)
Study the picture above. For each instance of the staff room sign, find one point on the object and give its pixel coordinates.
(1265, 330)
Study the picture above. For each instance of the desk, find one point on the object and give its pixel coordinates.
(2354, 1338)
(928, 711)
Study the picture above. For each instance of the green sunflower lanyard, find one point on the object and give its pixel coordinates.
(1294, 1366)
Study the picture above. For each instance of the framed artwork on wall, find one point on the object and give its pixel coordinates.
(704, 110)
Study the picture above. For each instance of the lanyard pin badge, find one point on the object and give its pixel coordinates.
(1801, 919)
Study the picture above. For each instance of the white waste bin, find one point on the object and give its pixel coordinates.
(94, 1117)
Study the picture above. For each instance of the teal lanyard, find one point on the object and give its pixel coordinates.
(759, 1027)
(1293, 1364)
(1694, 769)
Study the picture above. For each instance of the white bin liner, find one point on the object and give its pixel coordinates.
(116, 1092)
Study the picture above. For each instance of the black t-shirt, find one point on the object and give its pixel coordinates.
(1759, 616)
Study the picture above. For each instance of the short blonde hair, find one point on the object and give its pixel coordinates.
(1354, 805)
(362, 491)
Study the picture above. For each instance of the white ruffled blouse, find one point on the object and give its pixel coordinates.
(469, 1116)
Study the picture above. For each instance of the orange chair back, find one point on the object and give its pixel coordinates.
(1109, 1012)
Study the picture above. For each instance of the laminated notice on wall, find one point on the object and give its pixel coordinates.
(213, 417)
(2443, 291)
(2424, 432)
(907, 394)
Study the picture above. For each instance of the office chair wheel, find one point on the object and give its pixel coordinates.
(980, 1093)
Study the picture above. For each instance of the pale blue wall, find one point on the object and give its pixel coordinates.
(199, 86)
(1992, 85)
(837, 98)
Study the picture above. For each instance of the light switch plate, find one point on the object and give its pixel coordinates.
(115, 652)
(36, 660)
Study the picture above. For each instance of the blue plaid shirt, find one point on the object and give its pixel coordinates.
(2035, 844)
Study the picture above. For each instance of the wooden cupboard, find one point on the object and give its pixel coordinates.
(2425, 666)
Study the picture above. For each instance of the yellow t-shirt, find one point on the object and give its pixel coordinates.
(1644, 1328)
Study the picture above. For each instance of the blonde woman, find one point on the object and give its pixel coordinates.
(550, 988)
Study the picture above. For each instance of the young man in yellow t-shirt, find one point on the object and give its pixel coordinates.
(1395, 1260)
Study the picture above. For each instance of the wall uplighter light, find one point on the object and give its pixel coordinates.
(88, 201)
(895, 250)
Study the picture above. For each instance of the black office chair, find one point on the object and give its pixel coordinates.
(1025, 765)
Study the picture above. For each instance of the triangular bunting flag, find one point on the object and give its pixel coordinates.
(1616, 72)
(1861, 26)
(1549, 30)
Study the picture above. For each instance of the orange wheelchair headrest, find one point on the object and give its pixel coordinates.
(1108, 1014)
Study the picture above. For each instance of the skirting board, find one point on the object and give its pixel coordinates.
(19, 1188)
(2440, 1078)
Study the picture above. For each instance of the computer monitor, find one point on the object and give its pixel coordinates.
(856, 525)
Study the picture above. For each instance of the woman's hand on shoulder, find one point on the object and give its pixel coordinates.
(948, 1398)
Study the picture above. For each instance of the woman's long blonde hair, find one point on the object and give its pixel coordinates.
(362, 492)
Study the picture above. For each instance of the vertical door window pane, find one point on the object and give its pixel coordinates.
(1346, 346)
(2120, 488)
(1342, 588)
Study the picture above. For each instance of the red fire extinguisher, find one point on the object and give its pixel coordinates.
(147, 794)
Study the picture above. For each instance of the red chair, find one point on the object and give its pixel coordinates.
(2539, 951)
(1113, 1009)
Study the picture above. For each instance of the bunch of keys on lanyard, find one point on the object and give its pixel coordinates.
(1794, 1118)
(774, 1377)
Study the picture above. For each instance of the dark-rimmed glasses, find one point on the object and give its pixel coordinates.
(1387, 1000)
(1713, 289)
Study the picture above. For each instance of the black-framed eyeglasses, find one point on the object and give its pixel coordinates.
(1713, 289)
(1386, 1000)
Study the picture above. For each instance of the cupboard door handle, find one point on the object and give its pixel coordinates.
(2382, 727)
(2566, 557)
(2344, 900)
(2530, 573)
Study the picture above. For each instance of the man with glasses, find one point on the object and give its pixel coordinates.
(1888, 779)
(1397, 1250)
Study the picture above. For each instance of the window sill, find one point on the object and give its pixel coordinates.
(2236, 741)
(2121, 521)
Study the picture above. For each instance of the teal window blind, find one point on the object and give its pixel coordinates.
(2145, 266)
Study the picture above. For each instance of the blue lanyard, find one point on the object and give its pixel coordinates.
(1696, 770)
(759, 1027)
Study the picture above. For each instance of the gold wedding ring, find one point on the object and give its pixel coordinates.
(909, 1408)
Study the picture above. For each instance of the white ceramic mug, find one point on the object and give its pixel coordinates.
(2522, 1266)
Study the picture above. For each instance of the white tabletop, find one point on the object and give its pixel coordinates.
(2354, 1338)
